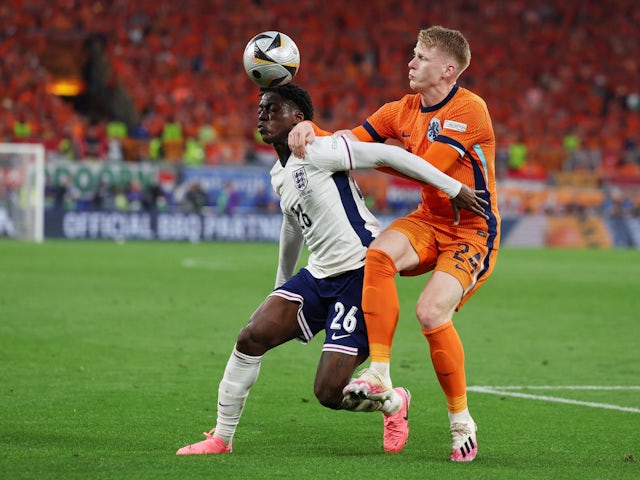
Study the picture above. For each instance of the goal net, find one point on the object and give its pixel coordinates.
(22, 191)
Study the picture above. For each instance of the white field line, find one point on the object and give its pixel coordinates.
(561, 387)
(509, 392)
(206, 264)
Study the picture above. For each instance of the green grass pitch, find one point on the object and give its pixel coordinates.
(111, 355)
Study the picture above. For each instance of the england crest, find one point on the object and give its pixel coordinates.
(300, 178)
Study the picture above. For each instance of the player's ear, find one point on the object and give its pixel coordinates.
(298, 115)
(450, 70)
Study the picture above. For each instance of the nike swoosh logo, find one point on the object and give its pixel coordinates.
(338, 337)
(224, 405)
(405, 135)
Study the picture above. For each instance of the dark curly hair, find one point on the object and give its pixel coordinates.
(296, 95)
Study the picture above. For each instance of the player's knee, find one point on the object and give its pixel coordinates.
(251, 342)
(328, 395)
(432, 314)
(428, 316)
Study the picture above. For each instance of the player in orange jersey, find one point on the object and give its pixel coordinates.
(449, 127)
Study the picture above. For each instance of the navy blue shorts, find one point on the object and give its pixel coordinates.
(332, 304)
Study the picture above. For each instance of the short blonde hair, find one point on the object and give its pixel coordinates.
(448, 41)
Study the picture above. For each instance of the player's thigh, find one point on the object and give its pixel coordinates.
(411, 243)
(273, 323)
(469, 262)
(398, 246)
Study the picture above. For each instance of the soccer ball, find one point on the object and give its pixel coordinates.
(271, 59)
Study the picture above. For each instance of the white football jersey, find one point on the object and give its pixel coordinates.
(318, 194)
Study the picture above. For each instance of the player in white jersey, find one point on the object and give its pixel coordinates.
(318, 195)
(322, 207)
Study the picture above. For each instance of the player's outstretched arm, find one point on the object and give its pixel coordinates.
(374, 155)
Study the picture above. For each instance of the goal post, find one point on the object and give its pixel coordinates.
(22, 183)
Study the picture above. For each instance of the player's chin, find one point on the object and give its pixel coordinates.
(265, 135)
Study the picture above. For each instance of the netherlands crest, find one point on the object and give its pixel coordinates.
(300, 178)
(434, 129)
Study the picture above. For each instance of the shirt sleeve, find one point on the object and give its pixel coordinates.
(290, 247)
(376, 155)
(339, 153)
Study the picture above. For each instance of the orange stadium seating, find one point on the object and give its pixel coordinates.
(560, 78)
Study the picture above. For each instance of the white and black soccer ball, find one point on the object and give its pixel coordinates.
(271, 59)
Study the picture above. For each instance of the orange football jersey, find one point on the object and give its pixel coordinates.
(455, 136)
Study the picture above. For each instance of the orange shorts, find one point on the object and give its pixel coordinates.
(458, 251)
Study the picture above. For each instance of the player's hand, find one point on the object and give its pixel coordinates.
(469, 200)
(299, 136)
(347, 133)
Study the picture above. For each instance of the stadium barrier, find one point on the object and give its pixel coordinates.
(241, 205)
(528, 231)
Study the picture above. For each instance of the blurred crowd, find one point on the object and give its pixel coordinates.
(163, 80)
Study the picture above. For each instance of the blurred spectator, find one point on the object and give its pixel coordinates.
(135, 196)
(154, 199)
(64, 194)
(95, 142)
(120, 199)
(193, 152)
(227, 201)
(517, 156)
(195, 199)
(103, 197)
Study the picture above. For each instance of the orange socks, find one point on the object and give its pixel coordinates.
(447, 356)
(381, 309)
(380, 303)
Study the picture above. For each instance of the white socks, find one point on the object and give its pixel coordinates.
(240, 374)
(395, 402)
(383, 370)
(463, 416)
